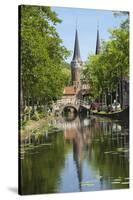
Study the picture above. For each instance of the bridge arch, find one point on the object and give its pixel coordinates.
(70, 107)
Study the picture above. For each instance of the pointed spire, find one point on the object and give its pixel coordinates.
(76, 22)
(98, 41)
(76, 55)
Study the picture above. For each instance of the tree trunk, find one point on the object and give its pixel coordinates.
(111, 98)
(121, 89)
(105, 99)
(21, 110)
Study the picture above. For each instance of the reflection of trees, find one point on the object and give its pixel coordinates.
(107, 137)
(91, 139)
(40, 171)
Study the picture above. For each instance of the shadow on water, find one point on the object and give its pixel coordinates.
(90, 154)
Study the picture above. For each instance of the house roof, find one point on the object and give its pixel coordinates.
(70, 90)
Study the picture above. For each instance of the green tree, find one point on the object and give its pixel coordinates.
(42, 55)
(105, 70)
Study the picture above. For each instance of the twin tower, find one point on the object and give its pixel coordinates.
(77, 63)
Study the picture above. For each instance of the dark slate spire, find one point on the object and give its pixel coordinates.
(97, 43)
(76, 55)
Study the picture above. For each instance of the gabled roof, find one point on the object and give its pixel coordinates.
(70, 90)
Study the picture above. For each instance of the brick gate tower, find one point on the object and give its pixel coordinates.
(76, 63)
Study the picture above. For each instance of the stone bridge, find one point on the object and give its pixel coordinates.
(59, 108)
(70, 105)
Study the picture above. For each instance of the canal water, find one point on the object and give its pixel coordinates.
(87, 154)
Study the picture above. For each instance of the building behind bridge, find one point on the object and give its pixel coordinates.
(78, 88)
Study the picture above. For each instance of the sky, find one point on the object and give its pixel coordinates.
(87, 21)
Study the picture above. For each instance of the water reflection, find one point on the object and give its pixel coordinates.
(90, 154)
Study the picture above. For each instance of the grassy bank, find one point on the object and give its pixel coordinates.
(37, 128)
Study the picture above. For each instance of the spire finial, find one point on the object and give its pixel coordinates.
(97, 24)
(97, 40)
(76, 54)
(76, 22)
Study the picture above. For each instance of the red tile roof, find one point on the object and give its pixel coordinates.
(70, 90)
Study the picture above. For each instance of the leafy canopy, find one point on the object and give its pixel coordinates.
(42, 54)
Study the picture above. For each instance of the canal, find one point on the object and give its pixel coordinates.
(87, 154)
